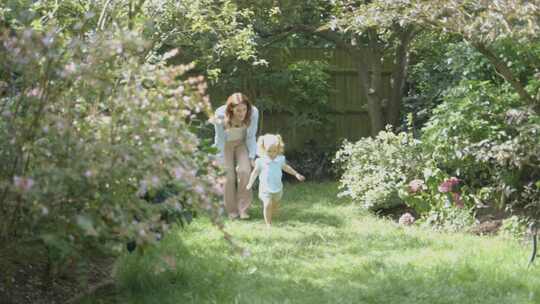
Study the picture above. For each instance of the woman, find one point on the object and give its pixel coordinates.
(235, 133)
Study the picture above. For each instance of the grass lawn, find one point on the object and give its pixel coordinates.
(325, 250)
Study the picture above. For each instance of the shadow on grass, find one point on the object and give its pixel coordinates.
(214, 278)
(290, 215)
(302, 270)
(390, 242)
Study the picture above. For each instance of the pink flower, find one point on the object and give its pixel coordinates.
(448, 185)
(406, 219)
(23, 183)
(416, 185)
(35, 92)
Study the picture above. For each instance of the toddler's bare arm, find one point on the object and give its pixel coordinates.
(293, 172)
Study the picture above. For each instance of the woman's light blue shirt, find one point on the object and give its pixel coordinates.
(271, 171)
(220, 136)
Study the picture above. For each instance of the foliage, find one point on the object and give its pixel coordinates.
(211, 34)
(483, 135)
(449, 219)
(441, 201)
(429, 75)
(480, 21)
(304, 85)
(300, 89)
(471, 113)
(514, 227)
(87, 129)
(433, 190)
(314, 162)
(442, 61)
(482, 24)
(376, 168)
(308, 93)
(73, 17)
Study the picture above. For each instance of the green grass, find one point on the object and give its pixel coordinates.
(322, 249)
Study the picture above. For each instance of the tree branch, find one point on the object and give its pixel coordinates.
(505, 72)
(326, 34)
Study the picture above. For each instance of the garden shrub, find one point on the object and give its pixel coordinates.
(449, 219)
(434, 190)
(483, 135)
(442, 201)
(87, 129)
(514, 227)
(374, 169)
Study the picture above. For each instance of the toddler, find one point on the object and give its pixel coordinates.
(269, 169)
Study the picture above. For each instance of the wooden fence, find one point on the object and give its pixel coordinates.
(348, 116)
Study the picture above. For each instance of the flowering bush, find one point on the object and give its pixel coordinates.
(88, 129)
(439, 200)
(435, 190)
(376, 168)
(484, 135)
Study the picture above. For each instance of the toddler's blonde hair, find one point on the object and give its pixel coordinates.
(268, 140)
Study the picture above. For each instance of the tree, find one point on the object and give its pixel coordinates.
(483, 24)
(212, 34)
(372, 47)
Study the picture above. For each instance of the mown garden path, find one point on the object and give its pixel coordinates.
(325, 250)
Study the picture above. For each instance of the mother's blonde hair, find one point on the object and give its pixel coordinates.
(268, 140)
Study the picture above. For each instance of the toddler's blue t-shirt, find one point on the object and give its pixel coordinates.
(270, 173)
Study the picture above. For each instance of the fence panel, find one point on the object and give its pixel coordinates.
(349, 118)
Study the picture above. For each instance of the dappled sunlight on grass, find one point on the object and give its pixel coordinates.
(324, 252)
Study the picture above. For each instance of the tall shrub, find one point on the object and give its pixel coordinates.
(485, 136)
(87, 129)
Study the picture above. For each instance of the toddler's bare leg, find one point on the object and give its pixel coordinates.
(276, 200)
(267, 211)
(275, 206)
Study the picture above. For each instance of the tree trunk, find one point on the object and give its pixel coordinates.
(369, 93)
(373, 92)
(399, 76)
